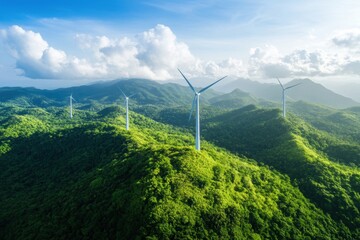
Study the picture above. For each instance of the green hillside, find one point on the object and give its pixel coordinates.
(310, 157)
(341, 123)
(258, 176)
(94, 180)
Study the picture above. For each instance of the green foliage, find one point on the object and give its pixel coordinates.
(299, 150)
(88, 178)
(66, 179)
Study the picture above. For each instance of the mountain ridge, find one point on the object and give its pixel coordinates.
(146, 184)
(308, 91)
(152, 92)
(295, 148)
(258, 175)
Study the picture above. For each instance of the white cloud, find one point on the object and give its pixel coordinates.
(269, 62)
(230, 66)
(161, 52)
(312, 63)
(153, 54)
(344, 59)
(266, 62)
(24, 44)
(157, 53)
(36, 59)
(349, 40)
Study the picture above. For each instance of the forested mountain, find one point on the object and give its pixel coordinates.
(146, 92)
(95, 180)
(239, 93)
(324, 167)
(234, 99)
(258, 176)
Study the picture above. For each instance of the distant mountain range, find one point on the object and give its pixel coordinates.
(171, 94)
(308, 91)
(146, 92)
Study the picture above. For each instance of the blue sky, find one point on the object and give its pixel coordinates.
(64, 43)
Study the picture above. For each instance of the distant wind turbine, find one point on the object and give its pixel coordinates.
(197, 100)
(127, 107)
(283, 95)
(71, 105)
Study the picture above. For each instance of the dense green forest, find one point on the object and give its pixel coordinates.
(258, 176)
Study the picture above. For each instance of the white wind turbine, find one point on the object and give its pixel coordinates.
(197, 100)
(71, 105)
(283, 95)
(127, 107)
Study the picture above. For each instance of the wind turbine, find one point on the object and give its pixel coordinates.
(71, 105)
(127, 107)
(197, 100)
(283, 95)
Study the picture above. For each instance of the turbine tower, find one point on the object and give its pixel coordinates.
(127, 108)
(283, 95)
(71, 105)
(197, 101)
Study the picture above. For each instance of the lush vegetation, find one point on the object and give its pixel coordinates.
(310, 157)
(258, 175)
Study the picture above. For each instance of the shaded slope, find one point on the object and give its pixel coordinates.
(98, 181)
(344, 124)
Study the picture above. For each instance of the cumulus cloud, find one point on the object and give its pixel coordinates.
(269, 62)
(24, 44)
(266, 62)
(37, 59)
(154, 54)
(157, 53)
(230, 66)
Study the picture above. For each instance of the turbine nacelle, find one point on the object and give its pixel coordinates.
(286, 88)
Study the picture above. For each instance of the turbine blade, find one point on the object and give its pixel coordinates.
(132, 95)
(205, 88)
(122, 92)
(280, 83)
(73, 98)
(293, 86)
(187, 81)
(192, 107)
